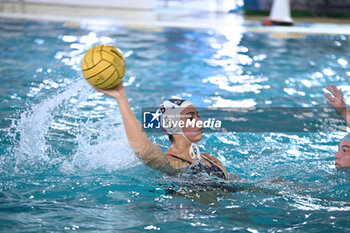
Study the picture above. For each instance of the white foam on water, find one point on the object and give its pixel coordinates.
(111, 151)
(97, 143)
(110, 155)
(32, 127)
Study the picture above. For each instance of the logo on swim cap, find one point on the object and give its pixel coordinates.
(162, 109)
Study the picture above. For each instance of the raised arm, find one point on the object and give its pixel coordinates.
(149, 152)
(337, 102)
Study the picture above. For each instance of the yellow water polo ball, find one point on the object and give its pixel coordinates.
(103, 66)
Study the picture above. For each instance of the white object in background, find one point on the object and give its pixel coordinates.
(219, 6)
(132, 4)
(280, 12)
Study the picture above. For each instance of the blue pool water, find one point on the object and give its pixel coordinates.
(66, 165)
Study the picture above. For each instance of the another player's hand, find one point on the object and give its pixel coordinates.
(114, 92)
(337, 100)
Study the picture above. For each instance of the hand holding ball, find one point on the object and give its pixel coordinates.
(103, 66)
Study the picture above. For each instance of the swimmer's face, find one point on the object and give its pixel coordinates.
(342, 158)
(194, 134)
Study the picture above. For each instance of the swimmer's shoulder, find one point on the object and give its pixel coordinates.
(219, 163)
(173, 162)
(159, 160)
(212, 158)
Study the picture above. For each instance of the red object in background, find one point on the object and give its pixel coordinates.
(267, 22)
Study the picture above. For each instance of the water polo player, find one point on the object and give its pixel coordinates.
(183, 153)
(342, 158)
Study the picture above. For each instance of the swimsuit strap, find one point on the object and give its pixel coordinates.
(183, 160)
(212, 164)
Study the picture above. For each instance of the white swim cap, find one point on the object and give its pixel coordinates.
(346, 137)
(170, 111)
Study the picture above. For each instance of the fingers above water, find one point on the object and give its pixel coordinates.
(329, 97)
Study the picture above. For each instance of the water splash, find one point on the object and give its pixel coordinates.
(75, 129)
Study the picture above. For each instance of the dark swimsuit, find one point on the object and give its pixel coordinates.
(200, 166)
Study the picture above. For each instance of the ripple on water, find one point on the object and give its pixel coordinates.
(66, 163)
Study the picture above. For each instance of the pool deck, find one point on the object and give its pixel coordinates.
(182, 14)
